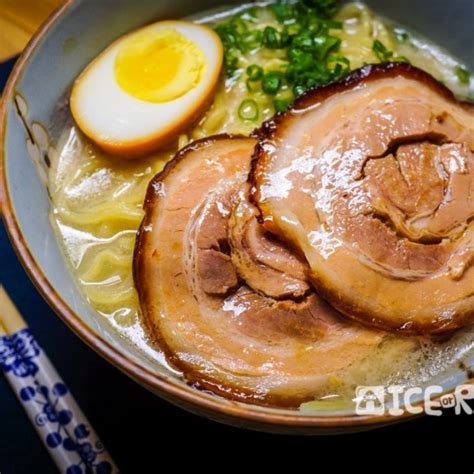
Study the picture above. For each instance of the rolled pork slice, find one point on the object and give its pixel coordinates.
(271, 341)
(372, 179)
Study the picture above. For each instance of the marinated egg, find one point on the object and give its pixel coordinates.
(147, 87)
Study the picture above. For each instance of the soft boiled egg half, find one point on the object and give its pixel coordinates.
(147, 87)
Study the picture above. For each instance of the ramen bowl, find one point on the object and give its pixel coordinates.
(34, 111)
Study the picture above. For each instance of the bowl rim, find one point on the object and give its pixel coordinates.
(158, 383)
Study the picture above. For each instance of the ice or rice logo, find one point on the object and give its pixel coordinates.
(396, 400)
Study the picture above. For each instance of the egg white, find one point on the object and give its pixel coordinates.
(123, 124)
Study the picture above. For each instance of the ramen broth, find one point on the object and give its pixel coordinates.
(97, 201)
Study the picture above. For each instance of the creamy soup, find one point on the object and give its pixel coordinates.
(97, 200)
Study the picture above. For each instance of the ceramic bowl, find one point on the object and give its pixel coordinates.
(31, 120)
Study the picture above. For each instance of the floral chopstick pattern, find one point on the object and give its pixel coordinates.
(65, 431)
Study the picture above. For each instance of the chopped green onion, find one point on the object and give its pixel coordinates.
(285, 39)
(310, 50)
(303, 41)
(251, 40)
(283, 11)
(250, 14)
(293, 29)
(271, 82)
(325, 44)
(401, 59)
(254, 72)
(230, 61)
(300, 60)
(382, 53)
(281, 105)
(239, 25)
(402, 36)
(228, 35)
(298, 90)
(341, 64)
(336, 58)
(271, 37)
(463, 75)
(248, 110)
(332, 24)
(323, 8)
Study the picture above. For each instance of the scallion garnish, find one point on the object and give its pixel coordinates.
(385, 55)
(254, 72)
(271, 37)
(283, 11)
(248, 110)
(298, 90)
(281, 105)
(271, 82)
(305, 34)
(249, 14)
(323, 45)
(231, 62)
(463, 75)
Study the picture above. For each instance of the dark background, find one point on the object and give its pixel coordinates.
(145, 434)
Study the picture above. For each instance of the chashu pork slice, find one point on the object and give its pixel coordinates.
(271, 340)
(372, 179)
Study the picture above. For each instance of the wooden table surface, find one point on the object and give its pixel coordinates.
(19, 19)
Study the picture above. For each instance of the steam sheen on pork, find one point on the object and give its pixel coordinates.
(372, 180)
(230, 305)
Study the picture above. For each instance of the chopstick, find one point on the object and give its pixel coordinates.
(51, 408)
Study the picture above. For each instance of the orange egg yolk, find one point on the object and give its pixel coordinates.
(159, 66)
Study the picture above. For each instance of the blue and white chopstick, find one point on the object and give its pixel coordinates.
(51, 408)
